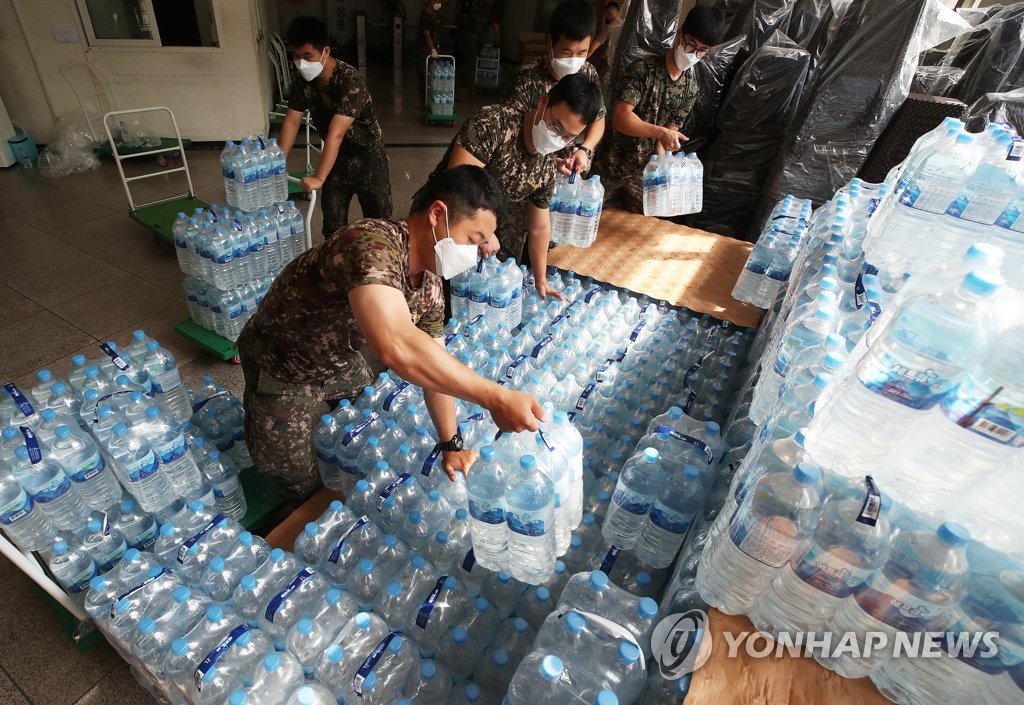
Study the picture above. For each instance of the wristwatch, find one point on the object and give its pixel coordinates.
(588, 151)
(454, 445)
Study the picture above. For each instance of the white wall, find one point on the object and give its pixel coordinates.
(214, 93)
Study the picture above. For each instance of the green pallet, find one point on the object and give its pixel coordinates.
(208, 340)
(159, 217)
(84, 636)
(167, 144)
(438, 119)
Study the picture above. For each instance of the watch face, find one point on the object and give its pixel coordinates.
(457, 443)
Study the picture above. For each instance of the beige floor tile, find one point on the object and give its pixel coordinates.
(114, 307)
(14, 306)
(35, 340)
(137, 254)
(160, 328)
(56, 216)
(104, 232)
(113, 199)
(167, 275)
(33, 253)
(66, 279)
(118, 687)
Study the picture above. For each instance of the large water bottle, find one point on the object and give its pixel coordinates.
(22, 519)
(669, 519)
(563, 210)
(168, 389)
(73, 568)
(530, 518)
(919, 358)
(916, 589)
(50, 489)
(84, 464)
(168, 442)
(279, 172)
(247, 174)
(222, 475)
(138, 468)
(227, 170)
(486, 486)
(650, 186)
(749, 282)
(774, 522)
(104, 543)
(639, 483)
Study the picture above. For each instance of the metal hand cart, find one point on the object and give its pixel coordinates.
(488, 68)
(439, 91)
(217, 344)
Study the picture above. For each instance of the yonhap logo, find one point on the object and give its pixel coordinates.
(681, 644)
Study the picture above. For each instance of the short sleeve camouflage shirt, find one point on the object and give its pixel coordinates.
(535, 79)
(305, 331)
(494, 135)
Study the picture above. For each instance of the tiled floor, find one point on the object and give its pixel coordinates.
(75, 271)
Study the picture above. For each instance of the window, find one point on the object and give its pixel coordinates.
(152, 23)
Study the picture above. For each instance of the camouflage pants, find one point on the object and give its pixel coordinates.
(512, 234)
(621, 170)
(280, 419)
(374, 194)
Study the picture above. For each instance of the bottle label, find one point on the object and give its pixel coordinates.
(52, 490)
(515, 364)
(18, 508)
(336, 552)
(279, 599)
(166, 381)
(860, 296)
(587, 391)
(215, 653)
(828, 572)
(700, 445)
(35, 455)
(636, 330)
(630, 501)
(390, 489)
(146, 539)
(428, 464)
(601, 376)
(141, 586)
(171, 450)
(609, 559)
(89, 469)
(423, 614)
(872, 505)
(469, 561)
(368, 665)
(670, 521)
(250, 174)
(144, 467)
(912, 387)
(24, 406)
(526, 523)
(118, 361)
(761, 541)
(893, 605)
(397, 391)
(594, 291)
(492, 513)
(935, 198)
(358, 428)
(194, 539)
(226, 489)
(984, 207)
(989, 412)
(544, 342)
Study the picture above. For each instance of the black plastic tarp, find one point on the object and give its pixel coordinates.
(713, 75)
(1005, 108)
(996, 65)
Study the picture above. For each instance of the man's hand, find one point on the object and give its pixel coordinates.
(578, 162)
(458, 461)
(490, 246)
(311, 183)
(671, 139)
(544, 290)
(514, 411)
(433, 53)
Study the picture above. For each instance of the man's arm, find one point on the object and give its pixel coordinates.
(383, 317)
(442, 412)
(579, 161)
(626, 121)
(332, 143)
(538, 224)
(289, 130)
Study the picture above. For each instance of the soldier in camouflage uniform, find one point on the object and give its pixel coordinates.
(430, 37)
(653, 97)
(517, 149)
(353, 161)
(374, 283)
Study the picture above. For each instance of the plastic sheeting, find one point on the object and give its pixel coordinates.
(996, 66)
(753, 120)
(935, 80)
(760, 19)
(805, 19)
(862, 79)
(71, 152)
(1006, 108)
(713, 76)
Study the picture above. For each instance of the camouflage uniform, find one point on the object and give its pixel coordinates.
(476, 21)
(300, 350)
(430, 21)
(620, 159)
(361, 168)
(494, 135)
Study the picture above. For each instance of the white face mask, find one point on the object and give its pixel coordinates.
(437, 6)
(564, 67)
(684, 59)
(310, 69)
(546, 141)
(451, 258)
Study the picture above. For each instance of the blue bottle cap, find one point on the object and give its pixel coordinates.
(953, 534)
(390, 540)
(690, 473)
(460, 635)
(651, 455)
(215, 613)
(179, 647)
(551, 667)
(304, 626)
(238, 698)
(821, 381)
(628, 653)
(181, 594)
(982, 282)
(336, 506)
(560, 568)
(428, 670)
(575, 622)
(503, 577)
(450, 583)
(712, 428)
(365, 566)
(248, 582)
(461, 514)
(362, 620)
(800, 438)
(362, 486)
(326, 420)
(605, 697)
(527, 462)
(277, 555)
(500, 658)
(97, 583)
(335, 652)
(472, 692)
(152, 412)
(418, 562)
(806, 473)
(520, 625)
(414, 516)
(271, 662)
(643, 578)
(93, 526)
(217, 564)
(648, 608)
(368, 684)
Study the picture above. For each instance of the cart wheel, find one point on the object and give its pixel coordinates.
(235, 360)
(161, 160)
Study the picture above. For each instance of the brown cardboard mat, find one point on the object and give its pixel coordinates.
(682, 265)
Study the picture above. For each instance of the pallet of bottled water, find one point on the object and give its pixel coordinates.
(230, 259)
(673, 184)
(441, 86)
(879, 439)
(576, 210)
(255, 173)
(90, 460)
(768, 266)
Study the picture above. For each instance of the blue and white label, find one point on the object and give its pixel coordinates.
(492, 513)
(631, 501)
(390, 489)
(906, 384)
(171, 450)
(89, 469)
(197, 537)
(280, 598)
(526, 523)
(594, 291)
(514, 366)
(587, 391)
(336, 551)
(370, 662)
(539, 347)
(428, 464)
(396, 392)
(425, 610)
(896, 606)
(601, 376)
(609, 559)
(219, 650)
(147, 538)
(226, 488)
(700, 445)
(35, 454)
(144, 467)
(358, 428)
(18, 508)
(141, 586)
(670, 521)
(166, 381)
(24, 406)
(830, 573)
(761, 541)
(934, 197)
(636, 330)
(118, 361)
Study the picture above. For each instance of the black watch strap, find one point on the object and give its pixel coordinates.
(454, 444)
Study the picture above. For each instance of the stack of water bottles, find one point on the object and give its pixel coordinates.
(255, 173)
(954, 189)
(576, 210)
(441, 86)
(491, 295)
(878, 439)
(768, 266)
(231, 258)
(673, 184)
(86, 462)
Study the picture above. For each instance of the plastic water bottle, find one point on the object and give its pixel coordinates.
(530, 517)
(749, 282)
(429, 683)
(774, 522)
(275, 679)
(227, 170)
(222, 475)
(22, 519)
(639, 483)
(81, 460)
(50, 489)
(279, 172)
(73, 568)
(650, 186)
(104, 543)
(487, 485)
(138, 468)
(168, 389)
(669, 519)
